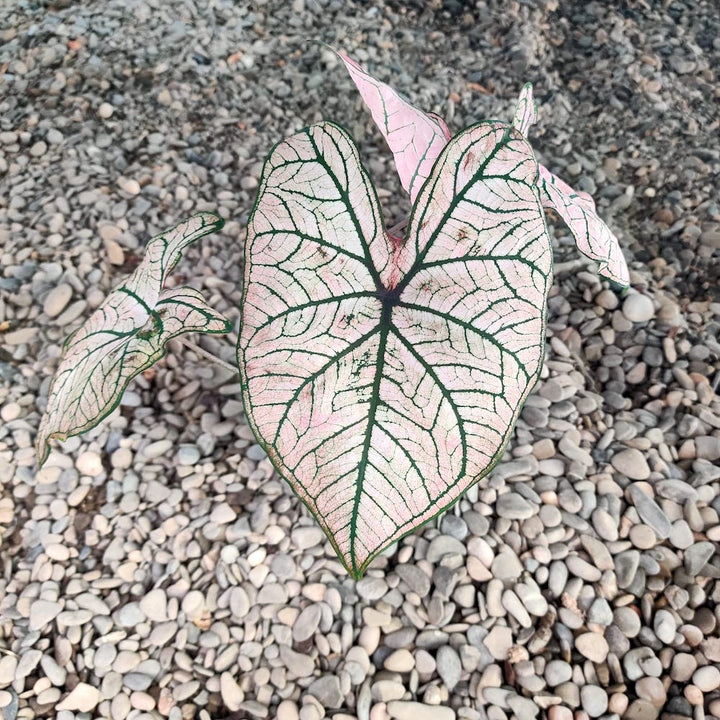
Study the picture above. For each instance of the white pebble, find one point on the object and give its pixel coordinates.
(83, 697)
(231, 692)
(154, 605)
(105, 111)
(638, 308)
(707, 678)
(57, 299)
(89, 463)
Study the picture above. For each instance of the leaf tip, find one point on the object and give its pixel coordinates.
(526, 111)
(211, 218)
(42, 450)
(42, 443)
(619, 281)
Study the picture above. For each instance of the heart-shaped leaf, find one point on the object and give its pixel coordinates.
(126, 335)
(383, 379)
(415, 138)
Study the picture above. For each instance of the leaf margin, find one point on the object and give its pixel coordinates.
(354, 570)
(43, 438)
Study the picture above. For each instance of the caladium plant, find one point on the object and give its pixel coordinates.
(127, 334)
(383, 375)
(417, 139)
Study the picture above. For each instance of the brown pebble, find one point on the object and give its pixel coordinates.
(643, 537)
(652, 690)
(664, 215)
(641, 710)
(683, 666)
(694, 695)
(593, 646)
(560, 712)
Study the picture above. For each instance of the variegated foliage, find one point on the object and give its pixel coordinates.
(383, 376)
(412, 134)
(384, 379)
(126, 335)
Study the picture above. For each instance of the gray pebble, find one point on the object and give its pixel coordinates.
(664, 626)
(444, 545)
(327, 690)
(137, 681)
(604, 525)
(681, 535)
(187, 455)
(307, 622)
(696, 556)
(448, 666)
(650, 511)
(631, 463)
(514, 507)
(57, 299)
(129, 615)
(416, 579)
(506, 566)
(297, 664)
(454, 526)
(371, 588)
(594, 700)
(557, 672)
(306, 537)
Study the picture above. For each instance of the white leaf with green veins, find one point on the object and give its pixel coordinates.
(525, 110)
(126, 335)
(384, 378)
(415, 138)
(593, 237)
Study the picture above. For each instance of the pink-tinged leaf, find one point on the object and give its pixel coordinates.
(525, 111)
(415, 138)
(126, 335)
(382, 384)
(592, 236)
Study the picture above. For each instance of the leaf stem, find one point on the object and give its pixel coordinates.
(569, 267)
(398, 227)
(201, 351)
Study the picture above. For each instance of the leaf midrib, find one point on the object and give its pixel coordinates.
(418, 263)
(384, 326)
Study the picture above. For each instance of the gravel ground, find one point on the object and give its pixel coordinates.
(157, 568)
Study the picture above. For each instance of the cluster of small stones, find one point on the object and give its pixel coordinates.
(156, 567)
(153, 574)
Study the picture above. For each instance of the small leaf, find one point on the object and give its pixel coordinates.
(415, 138)
(525, 111)
(593, 237)
(383, 381)
(126, 335)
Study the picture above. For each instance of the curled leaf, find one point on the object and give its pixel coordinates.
(415, 138)
(593, 237)
(126, 335)
(383, 383)
(525, 111)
